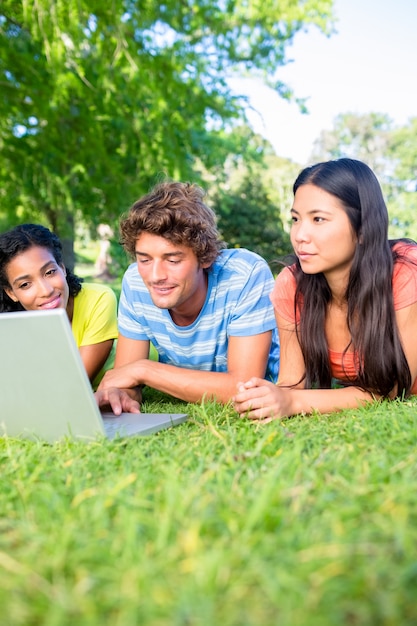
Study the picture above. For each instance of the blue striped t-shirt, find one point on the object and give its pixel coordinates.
(237, 305)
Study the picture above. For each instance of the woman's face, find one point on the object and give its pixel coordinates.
(37, 281)
(321, 233)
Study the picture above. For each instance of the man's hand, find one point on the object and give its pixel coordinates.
(118, 400)
(123, 377)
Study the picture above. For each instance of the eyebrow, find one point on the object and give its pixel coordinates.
(312, 212)
(26, 276)
(179, 253)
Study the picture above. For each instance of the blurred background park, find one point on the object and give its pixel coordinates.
(102, 100)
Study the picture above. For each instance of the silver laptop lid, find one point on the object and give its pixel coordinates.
(44, 388)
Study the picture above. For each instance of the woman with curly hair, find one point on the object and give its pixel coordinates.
(33, 277)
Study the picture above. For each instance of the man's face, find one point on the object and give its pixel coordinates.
(173, 276)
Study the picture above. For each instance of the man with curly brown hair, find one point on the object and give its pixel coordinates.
(204, 308)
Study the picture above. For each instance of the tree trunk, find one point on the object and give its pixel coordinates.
(65, 229)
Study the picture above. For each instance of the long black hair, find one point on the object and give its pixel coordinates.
(22, 238)
(379, 357)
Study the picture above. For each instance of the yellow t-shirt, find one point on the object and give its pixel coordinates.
(95, 320)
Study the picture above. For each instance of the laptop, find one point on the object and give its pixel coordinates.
(44, 389)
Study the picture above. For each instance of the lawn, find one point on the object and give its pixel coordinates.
(310, 521)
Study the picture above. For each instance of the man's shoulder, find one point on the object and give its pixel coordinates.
(132, 277)
(238, 259)
(132, 270)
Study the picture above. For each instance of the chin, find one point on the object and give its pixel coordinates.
(162, 305)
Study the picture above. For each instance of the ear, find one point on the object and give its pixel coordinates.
(64, 269)
(11, 295)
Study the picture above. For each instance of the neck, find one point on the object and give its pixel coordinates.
(338, 285)
(70, 308)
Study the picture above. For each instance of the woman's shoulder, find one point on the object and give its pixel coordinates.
(282, 296)
(404, 250)
(405, 259)
(96, 287)
(404, 279)
(286, 278)
(96, 290)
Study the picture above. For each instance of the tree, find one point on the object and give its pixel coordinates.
(365, 137)
(392, 154)
(403, 154)
(101, 98)
(249, 219)
(403, 151)
(248, 201)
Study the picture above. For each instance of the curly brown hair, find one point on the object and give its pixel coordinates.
(175, 211)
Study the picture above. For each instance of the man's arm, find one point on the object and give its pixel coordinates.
(130, 350)
(247, 357)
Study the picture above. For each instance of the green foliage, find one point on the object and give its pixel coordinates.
(402, 208)
(99, 99)
(249, 219)
(307, 522)
(392, 154)
(364, 137)
(403, 151)
(251, 195)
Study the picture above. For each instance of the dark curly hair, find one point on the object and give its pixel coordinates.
(22, 238)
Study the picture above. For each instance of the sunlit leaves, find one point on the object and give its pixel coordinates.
(99, 99)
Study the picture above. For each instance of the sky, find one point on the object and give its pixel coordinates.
(368, 65)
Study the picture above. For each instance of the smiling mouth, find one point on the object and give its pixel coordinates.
(51, 304)
(162, 289)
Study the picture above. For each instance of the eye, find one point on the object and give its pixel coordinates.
(319, 219)
(51, 272)
(24, 285)
(294, 219)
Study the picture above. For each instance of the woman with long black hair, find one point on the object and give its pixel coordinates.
(346, 309)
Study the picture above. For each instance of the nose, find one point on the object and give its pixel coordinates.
(300, 232)
(158, 272)
(45, 287)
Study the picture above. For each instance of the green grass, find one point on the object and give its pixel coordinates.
(305, 522)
